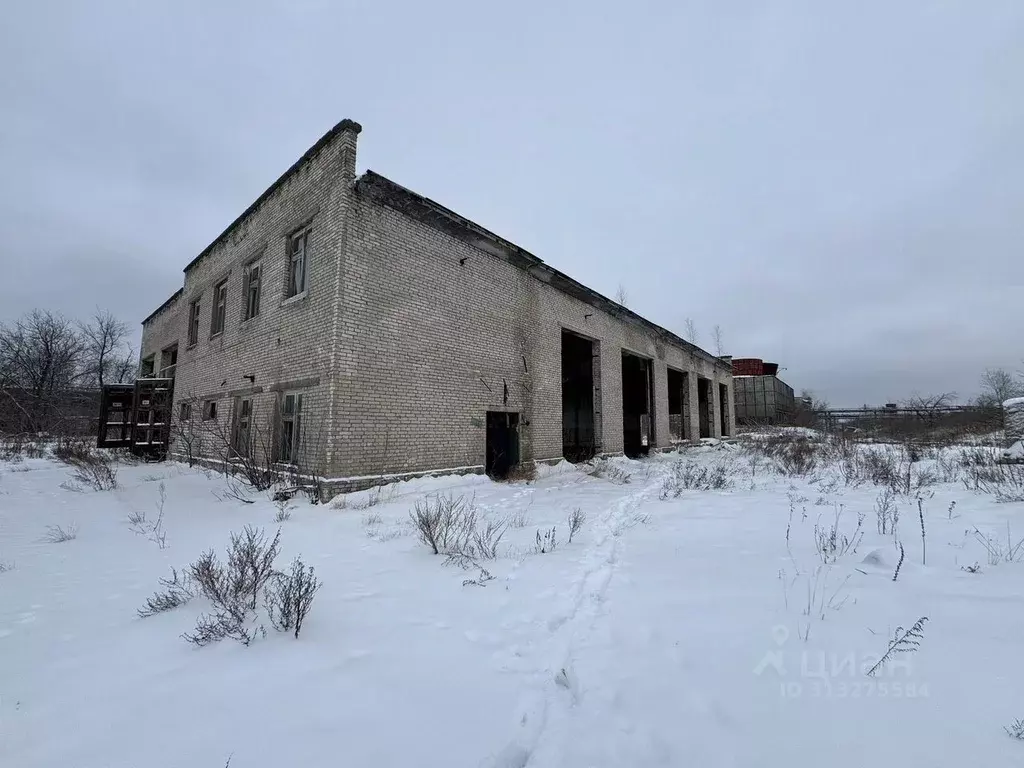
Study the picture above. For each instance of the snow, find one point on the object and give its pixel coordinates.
(1015, 452)
(1014, 402)
(667, 633)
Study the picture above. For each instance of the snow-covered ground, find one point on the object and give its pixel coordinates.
(669, 632)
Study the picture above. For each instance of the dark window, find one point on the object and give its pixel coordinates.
(209, 410)
(185, 411)
(193, 323)
(298, 251)
(220, 305)
(291, 427)
(251, 290)
(243, 423)
(168, 362)
(147, 367)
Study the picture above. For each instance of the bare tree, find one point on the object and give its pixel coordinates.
(691, 330)
(621, 296)
(40, 360)
(997, 386)
(103, 347)
(716, 339)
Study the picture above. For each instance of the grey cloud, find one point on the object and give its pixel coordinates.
(837, 186)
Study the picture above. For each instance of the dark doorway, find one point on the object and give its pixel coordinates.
(704, 405)
(723, 408)
(637, 434)
(577, 397)
(502, 443)
(678, 405)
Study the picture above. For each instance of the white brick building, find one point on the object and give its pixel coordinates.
(357, 329)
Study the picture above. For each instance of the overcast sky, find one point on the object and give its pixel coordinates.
(840, 186)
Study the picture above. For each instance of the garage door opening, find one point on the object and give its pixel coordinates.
(578, 433)
(637, 434)
(502, 443)
(704, 405)
(678, 406)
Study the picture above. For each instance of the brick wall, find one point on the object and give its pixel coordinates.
(437, 331)
(288, 346)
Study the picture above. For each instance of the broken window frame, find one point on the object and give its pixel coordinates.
(241, 433)
(251, 289)
(220, 308)
(167, 369)
(193, 322)
(147, 366)
(298, 261)
(290, 419)
(184, 411)
(209, 410)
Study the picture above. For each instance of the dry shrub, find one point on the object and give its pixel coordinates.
(451, 526)
(71, 450)
(831, 542)
(93, 468)
(577, 518)
(55, 534)
(177, 590)
(689, 475)
(606, 470)
(289, 596)
(985, 473)
(34, 451)
(12, 449)
(233, 588)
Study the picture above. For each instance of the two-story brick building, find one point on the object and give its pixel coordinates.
(356, 329)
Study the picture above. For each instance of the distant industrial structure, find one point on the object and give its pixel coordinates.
(759, 395)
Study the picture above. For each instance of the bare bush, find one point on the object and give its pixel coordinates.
(577, 518)
(71, 450)
(689, 475)
(548, 542)
(791, 455)
(518, 520)
(55, 534)
(92, 468)
(887, 512)
(99, 474)
(372, 519)
(949, 469)
(284, 512)
(211, 628)
(234, 588)
(606, 470)
(452, 526)
(289, 597)
(998, 551)
(444, 522)
(985, 473)
(1015, 730)
(177, 590)
(903, 641)
(140, 524)
(12, 449)
(831, 543)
